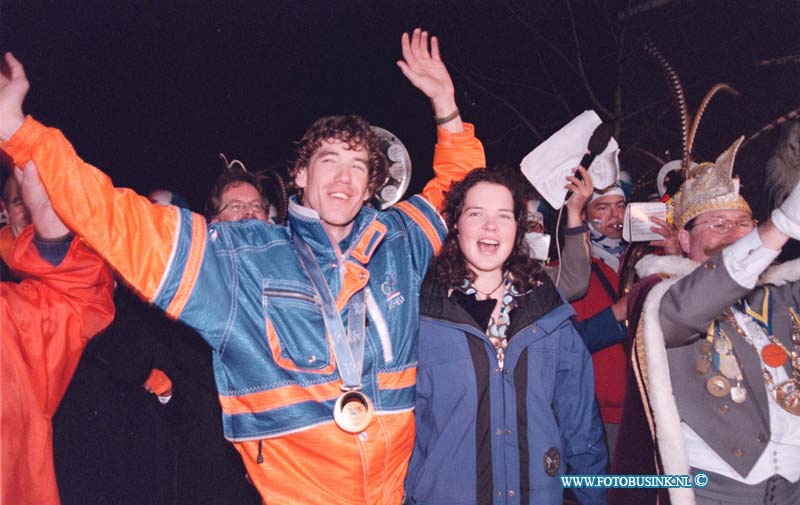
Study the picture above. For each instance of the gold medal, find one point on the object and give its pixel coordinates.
(787, 394)
(702, 365)
(718, 386)
(738, 393)
(353, 411)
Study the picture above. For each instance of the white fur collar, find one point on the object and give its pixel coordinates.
(784, 273)
(678, 266)
(669, 434)
(672, 265)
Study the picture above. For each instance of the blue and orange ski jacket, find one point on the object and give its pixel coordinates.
(241, 286)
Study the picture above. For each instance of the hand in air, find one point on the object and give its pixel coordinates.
(13, 88)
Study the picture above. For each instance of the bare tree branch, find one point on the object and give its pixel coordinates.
(546, 42)
(643, 7)
(651, 105)
(648, 154)
(793, 59)
(497, 140)
(508, 104)
(579, 59)
(531, 87)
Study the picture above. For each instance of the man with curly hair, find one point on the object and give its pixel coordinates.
(312, 423)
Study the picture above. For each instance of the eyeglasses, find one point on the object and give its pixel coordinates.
(238, 207)
(724, 226)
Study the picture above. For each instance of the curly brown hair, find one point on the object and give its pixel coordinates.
(354, 131)
(451, 269)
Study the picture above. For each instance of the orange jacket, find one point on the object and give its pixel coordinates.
(47, 320)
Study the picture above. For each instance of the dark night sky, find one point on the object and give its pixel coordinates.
(152, 90)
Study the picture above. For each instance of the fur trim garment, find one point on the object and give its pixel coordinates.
(669, 434)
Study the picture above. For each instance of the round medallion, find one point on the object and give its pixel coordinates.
(704, 346)
(552, 461)
(787, 394)
(718, 386)
(773, 355)
(353, 411)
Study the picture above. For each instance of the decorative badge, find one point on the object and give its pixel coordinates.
(552, 461)
(718, 386)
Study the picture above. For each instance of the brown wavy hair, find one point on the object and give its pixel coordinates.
(354, 131)
(451, 268)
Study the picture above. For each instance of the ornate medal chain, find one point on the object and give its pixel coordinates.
(719, 353)
(787, 393)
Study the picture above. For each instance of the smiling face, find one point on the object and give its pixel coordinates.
(240, 201)
(708, 234)
(606, 213)
(335, 184)
(487, 228)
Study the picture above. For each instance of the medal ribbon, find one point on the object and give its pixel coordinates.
(764, 318)
(347, 346)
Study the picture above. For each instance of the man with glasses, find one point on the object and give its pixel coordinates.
(237, 194)
(717, 355)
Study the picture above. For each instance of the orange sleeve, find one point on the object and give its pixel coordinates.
(454, 156)
(53, 312)
(136, 237)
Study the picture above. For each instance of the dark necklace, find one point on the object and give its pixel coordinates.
(487, 294)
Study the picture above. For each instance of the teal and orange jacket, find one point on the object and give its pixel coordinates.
(241, 286)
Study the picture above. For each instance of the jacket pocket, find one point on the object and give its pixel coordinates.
(295, 328)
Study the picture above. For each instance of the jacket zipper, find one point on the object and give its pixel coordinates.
(290, 294)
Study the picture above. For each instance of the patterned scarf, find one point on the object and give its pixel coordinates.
(498, 329)
(606, 249)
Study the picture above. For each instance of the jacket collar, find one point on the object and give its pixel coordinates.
(532, 306)
(306, 222)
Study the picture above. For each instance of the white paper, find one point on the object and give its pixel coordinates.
(539, 245)
(636, 226)
(549, 164)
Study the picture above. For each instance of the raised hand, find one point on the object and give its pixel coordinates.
(670, 242)
(13, 88)
(581, 192)
(47, 224)
(423, 67)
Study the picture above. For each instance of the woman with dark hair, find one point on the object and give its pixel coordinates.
(505, 394)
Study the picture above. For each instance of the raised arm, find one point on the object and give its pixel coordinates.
(573, 276)
(457, 150)
(694, 301)
(139, 239)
